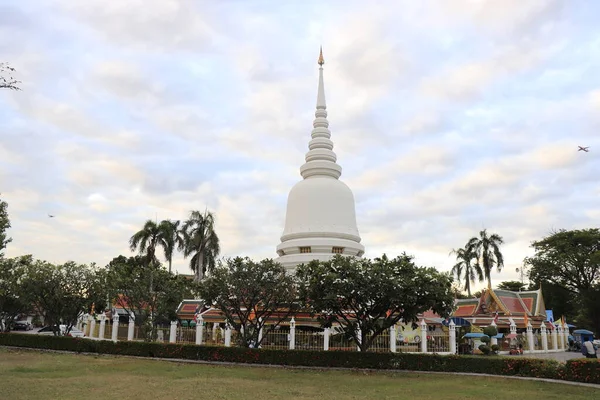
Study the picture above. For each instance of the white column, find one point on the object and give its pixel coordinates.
(423, 336)
(452, 328)
(115, 327)
(566, 333)
(260, 333)
(544, 337)
(554, 334)
(393, 338)
(199, 329)
(326, 333)
(530, 337)
(131, 327)
(559, 330)
(214, 330)
(493, 340)
(513, 327)
(292, 334)
(102, 326)
(173, 332)
(227, 335)
(92, 326)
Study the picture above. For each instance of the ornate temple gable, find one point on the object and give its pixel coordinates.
(534, 302)
(465, 307)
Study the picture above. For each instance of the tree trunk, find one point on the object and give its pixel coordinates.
(200, 267)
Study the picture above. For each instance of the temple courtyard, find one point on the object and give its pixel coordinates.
(36, 375)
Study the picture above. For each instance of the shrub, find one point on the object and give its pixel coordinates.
(574, 370)
(484, 349)
(490, 331)
(485, 339)
(495, 348)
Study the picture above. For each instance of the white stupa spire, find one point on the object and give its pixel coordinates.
(320, 159)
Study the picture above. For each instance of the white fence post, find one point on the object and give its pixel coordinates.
(199, 329)
(393, 338)
(173, 332)
(92, 326)
(544, 337)
(115, 327)
(452, 328)
(554, 334)
(102, 325)
(292, 334)
(566, 333)
(131, 327)
(561, 337)
(260, 333)
(423, 336)
(326, 334)
(493, 340)
(530, 337)
(227, 335)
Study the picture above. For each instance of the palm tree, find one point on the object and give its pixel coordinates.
(201, 242)
(173, 239)
(487, 250)
(148, 238)
(463, 265)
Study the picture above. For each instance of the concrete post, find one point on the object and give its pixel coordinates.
(292, 334)
(561, 337)
(173, 332)
(131, 327)
(493, 340)
(326, 334)
(102, 326)
(214, 330)
(452, 328)
(115, 328)
(544, 337)
(530, 337)
(260, 333)
(554, 334)
(566, 333)
(513, 327)
(423, 336)
(92, 326)
(199, 329)
(227, 335)
(393, 338)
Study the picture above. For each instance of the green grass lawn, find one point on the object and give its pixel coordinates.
(34, 375)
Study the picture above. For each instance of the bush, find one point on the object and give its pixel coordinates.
(490, 331)
(495, 348)
(575, 370)
(485, 349)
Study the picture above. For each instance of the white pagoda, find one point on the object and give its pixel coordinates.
(320, 221)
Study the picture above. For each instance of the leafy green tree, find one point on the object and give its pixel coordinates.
(61, 293)
(147, 291)
(487, 251)
(200, 241)
(13, 302)
(514, 286)
(173, 239)
(151, 236)
(7, 81)
(4, 226)
(367, 297)
(465, 265)
(569, 262)
(252, 296)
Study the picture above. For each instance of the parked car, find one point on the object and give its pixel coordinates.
(47, 330)
(22, 326)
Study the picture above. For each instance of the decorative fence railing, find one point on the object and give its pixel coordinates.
(289, 336)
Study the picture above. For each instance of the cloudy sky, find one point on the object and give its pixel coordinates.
(447, 116)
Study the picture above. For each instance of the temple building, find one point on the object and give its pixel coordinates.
(320, 220)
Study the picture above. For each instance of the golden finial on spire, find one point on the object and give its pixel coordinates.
(321, 59)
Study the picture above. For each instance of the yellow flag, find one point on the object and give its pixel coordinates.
(476, 329)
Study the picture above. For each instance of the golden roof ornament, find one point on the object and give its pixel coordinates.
(321, 59)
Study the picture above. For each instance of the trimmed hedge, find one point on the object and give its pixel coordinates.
(580, 370)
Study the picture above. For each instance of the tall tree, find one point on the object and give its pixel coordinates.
(201, 242)
(465, 265)
(487, 250)
(251, 295)
(6, 79)
(151, 236)
(514, 286)
(570, 261)
(173, 239)
(367, 297)
(4, 226)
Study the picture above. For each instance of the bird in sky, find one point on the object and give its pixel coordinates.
(51, 216)
(581, 148)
